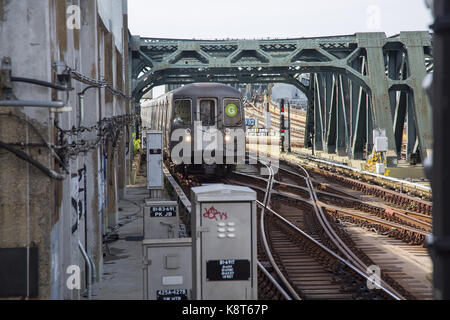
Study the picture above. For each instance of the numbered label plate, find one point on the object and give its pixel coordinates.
(227, 270)
(172, 295)
(163, 211)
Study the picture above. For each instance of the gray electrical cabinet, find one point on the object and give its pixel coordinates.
(224, 253)
(161, 220)
(155, 160)
(167, 265)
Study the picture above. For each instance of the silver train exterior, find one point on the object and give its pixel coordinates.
(211, 105)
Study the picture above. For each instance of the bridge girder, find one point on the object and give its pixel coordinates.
(358, 82)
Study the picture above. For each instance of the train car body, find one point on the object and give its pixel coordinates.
(208, 118)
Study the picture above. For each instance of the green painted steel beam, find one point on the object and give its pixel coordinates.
(357, 72)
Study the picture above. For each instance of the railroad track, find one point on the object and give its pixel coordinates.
(283, 242)
(304, 257)
(312, 271)
(399, 224)
(413, 227)
(407, 195)
(393, 272)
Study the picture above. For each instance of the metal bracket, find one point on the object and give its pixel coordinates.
(7, 98)
(63, 74)
(60, 110)
(202, 229)
(5, 79)
(146, 263)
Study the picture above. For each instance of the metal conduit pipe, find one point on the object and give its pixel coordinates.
(88, 263)
(81, 104)
(94, 270)
(40, 83)
(36, 104)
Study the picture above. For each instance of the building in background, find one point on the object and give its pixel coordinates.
(290, 93)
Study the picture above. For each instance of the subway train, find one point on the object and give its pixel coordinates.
(203, 126)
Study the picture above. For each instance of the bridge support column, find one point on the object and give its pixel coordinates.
(380, 103)
(318, 119)
(415, 41)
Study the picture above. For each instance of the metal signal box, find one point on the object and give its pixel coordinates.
(154, 144)
(161, 220)
(381, 144)
(224, 257)
(167, 265)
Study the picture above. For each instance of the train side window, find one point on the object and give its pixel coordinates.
(182, 114)
(208, 112)
(232, 112)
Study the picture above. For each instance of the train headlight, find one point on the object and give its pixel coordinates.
(188, 137)
(227, 138)
(227, 131)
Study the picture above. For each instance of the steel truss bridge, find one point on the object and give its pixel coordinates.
(358, 82)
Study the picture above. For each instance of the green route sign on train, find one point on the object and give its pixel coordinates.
(231, 110)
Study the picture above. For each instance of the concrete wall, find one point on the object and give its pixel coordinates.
(36, 210)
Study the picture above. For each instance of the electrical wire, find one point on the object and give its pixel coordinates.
(97, 83)
(49, 172)
(108, 130)
(57, 157)
(40, 83)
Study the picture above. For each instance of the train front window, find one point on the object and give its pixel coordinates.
(182, 113)
(208, 112)
(232, 112)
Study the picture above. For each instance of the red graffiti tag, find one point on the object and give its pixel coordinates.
(212, 213)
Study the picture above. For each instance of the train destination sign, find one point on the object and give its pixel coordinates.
(171, 295)
(163, 211)
(228, 270)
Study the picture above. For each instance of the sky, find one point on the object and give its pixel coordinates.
(250, 19)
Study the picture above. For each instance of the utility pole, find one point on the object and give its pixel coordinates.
(439, 243)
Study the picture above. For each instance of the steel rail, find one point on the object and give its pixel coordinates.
(274, 282)
(323, 247)
(405, 215)
(391, 179)
(359, 265)
(375, 220)
(342, 247)
(370, 217)
(293, 292)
